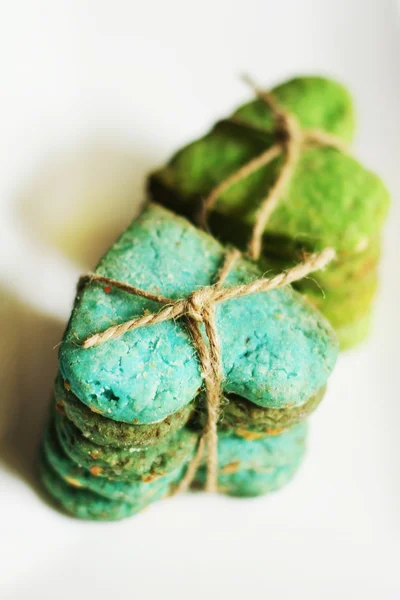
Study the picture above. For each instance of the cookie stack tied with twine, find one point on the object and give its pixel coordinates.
(181, 365)
(276, 178)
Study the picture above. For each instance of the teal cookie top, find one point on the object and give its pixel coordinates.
(246, 483)
(276, 348)
(331, 200)
(269, 451)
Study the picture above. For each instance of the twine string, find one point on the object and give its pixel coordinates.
(291, 141)
(199, 307)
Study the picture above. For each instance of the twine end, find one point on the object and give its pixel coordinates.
(89, 342)
(254, 248)
(248, 80)
(326, 256)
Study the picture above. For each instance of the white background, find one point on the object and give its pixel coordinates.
(94, 94)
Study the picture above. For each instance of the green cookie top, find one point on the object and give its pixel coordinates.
(247, 483)
(276, 348)
(317, 102)
(126, 464)
(331, 199)
(250, 421)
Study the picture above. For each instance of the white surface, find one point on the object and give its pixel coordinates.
(94, 94)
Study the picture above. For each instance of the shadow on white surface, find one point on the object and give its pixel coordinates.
(80, 200)
(26, 384)
(67, 215)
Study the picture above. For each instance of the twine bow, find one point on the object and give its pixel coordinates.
(291, 141)
(199, 307)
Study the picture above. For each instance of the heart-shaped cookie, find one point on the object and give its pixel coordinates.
(276, 349)
(330, 199)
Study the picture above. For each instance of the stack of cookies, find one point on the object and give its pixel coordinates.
(329, 200)
(99, 468)
(128, 414)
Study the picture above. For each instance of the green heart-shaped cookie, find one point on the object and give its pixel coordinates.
(330, 199)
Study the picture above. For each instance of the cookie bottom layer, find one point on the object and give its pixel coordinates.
(83, 503)
(79, 477)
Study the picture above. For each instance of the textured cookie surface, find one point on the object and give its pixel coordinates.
(317, 102)
(130, 463)
(251, 421)
(331, 199)
(83, 503)
(79, 477)
(269, 451)
(251, 468)
(246, 483)
(276, 349)
(106, 432)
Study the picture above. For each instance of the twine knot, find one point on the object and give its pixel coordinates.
(288, 129)
(198, 303)
(199, 307)
(291, 139)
